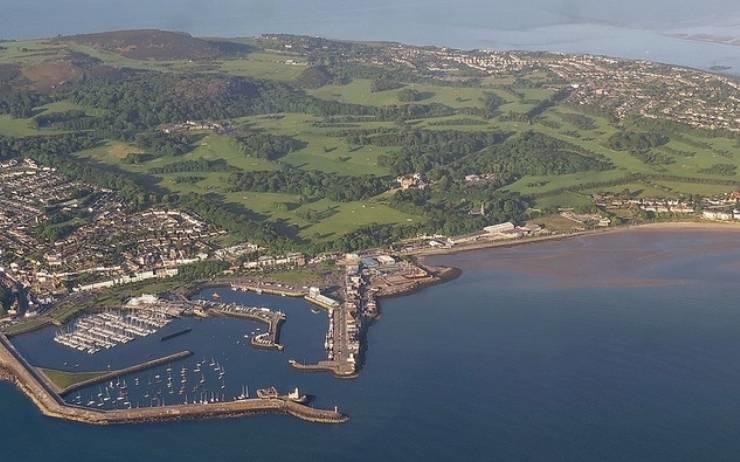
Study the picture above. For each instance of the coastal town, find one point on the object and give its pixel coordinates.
(95, 241)
(619, 87)
(103, 269)
(103, 244)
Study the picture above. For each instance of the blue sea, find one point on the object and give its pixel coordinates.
(620, 347)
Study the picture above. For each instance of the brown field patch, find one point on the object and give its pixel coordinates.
(47, 76)
(121, 150)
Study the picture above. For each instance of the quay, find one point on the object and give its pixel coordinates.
(15, 368)
(269, 290)
(340, 369)
(129, 370)
(315, 296)
(267, 340)
(345, 326)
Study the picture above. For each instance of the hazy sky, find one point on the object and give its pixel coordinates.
(350, 18)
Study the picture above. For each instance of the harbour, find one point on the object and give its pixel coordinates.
(565, 340)
(132, 395)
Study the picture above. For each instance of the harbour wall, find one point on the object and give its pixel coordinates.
(15, 368)
(129, 370)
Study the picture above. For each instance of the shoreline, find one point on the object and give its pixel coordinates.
(423, 254)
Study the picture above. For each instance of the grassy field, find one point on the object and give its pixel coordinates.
(358, 92)
(265, 65)
(688, 161)
(67, 105)
(64, 379)
(689, 156)
(322, 152)
(298, 277)
(338, 219)
(10, 126)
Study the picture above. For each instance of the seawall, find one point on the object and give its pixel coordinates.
(15, 368)
(129, 370)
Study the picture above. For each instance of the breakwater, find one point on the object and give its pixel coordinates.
(340, 369)
(175, 334)
(269, 290)
(129, 370)
(273, 319)
(15, 368)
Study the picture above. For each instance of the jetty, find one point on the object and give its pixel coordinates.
(345, 326)
(105, 377)
(15, 368)
(273, 319)
(268, 289)
(175, 334)
(341, 369)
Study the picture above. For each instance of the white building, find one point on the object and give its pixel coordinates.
(500, 228)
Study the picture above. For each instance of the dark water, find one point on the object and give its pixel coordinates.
(628, 28)
(615, 348)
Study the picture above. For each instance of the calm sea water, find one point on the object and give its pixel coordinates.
(629, 28)
(610, 348)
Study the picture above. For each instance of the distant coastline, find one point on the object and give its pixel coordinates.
(722, 40)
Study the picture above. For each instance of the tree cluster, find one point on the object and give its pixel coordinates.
(636, 141)
(423, 150)
(310, 184)
(193, 165)
(161, 143)
(266, 146)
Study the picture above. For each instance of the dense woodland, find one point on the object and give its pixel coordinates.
(161, 143)
(267, 146)
(311, 185)
(19, 103)
(423, 150)
(532, 153)
(143, 100)
(636, 141)
(199, 165)
(6, 298)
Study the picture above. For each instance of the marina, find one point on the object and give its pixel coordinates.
(116, 375)
(242, 325)
(105, 330)
(112, 403)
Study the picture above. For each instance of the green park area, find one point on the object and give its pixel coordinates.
(310, 142)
